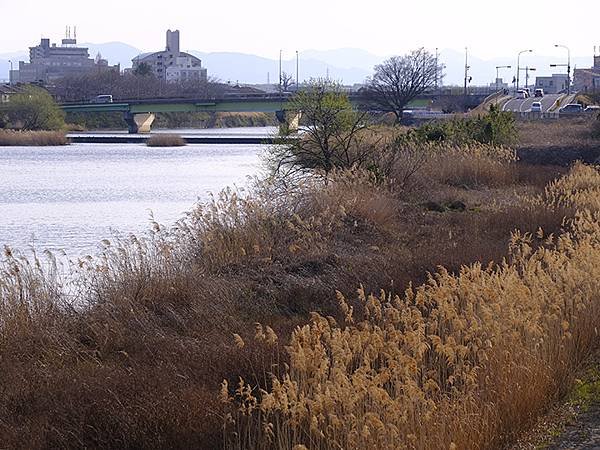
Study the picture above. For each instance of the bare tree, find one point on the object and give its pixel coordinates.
(400, 79)
(286, 81)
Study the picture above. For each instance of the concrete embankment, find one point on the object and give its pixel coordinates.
(142, 139)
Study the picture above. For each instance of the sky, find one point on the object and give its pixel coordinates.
(263, 27)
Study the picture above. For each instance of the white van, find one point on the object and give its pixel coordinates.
(105, 98)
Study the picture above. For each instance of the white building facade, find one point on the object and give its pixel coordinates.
(172, 65)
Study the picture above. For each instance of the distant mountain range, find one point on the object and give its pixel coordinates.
(349, 65)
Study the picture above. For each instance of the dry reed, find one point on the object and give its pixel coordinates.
(130, 352)
(464, 361)
(165, 140)
(32, 138)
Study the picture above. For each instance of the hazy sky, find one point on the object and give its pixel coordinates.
(262, 27)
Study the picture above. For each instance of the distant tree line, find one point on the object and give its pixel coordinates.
(139, 85)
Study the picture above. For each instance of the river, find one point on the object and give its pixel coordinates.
(70, 198)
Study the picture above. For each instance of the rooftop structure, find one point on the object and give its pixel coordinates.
(171, 65)
(48, 62)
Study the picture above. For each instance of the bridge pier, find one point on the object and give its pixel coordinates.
(139, 122)
(288, 125)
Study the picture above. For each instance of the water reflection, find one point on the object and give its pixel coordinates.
(72, 197)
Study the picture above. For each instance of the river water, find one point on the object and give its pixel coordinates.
(70, 198)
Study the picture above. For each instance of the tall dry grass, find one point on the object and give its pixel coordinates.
(129, 351)
(32, 138)
(464, 361)
(165, 140)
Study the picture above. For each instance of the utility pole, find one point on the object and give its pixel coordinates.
(280, 54)
(466, 71)
(527, 69)
(568, 66)
(297, 72)
(519, 64)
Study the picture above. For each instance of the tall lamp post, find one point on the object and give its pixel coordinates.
(280, 54)
(568, 66)
(519, 64)
(497, 69)
(297, 72)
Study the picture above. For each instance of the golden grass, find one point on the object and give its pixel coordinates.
(32, 138)
(463, 361)
(165, 140)
(129, 350)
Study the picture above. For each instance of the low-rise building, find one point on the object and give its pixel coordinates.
(48, 62)
(588, 80)
(554, 84)
(171, 65)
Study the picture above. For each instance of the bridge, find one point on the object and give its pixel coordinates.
(140, 113)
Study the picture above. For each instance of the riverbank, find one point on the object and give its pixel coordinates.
(32, 138)
(466, 357)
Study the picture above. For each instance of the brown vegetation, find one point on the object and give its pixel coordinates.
(32, 138)
(165, 140)
(130, 350)
(558, 142)
(463, 361)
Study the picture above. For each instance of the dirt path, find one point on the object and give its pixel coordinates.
(584, 434)
(575, 423)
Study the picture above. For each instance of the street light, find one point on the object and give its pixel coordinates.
(498, 68)
(467, 67)
(519, 64)
(280, 54)
(568, 66)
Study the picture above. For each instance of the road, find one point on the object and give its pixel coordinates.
(524, 104)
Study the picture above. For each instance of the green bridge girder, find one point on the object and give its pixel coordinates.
(217, 106)
(265, 106)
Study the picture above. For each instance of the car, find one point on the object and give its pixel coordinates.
(527, 91)
(521, 94)
(592, 109)
(570, 109)
(536, 107)
(104, 98)
(539, 93)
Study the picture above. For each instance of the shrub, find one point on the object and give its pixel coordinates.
(35, 109)
(165, 140)
(330, 134)
(496, 127)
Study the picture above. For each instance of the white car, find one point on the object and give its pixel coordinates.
(536, 107)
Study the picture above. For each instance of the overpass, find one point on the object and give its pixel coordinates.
(140, 113)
